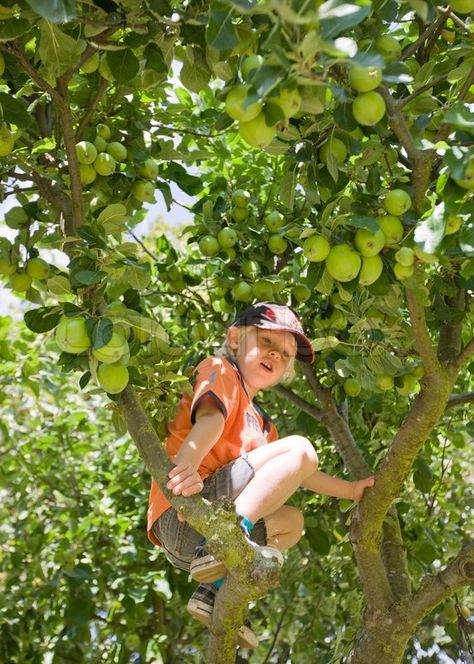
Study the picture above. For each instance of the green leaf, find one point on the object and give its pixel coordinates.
(423, 476)
(84, 379)
(101, 332)
(461, 116)
(336, 16)
(220, 31)
(42, 319)
(323, 343)
(155, 59)
(14, 110)
(13, 28)
(421, 8)
(57, 50)
(466, 239)
(288, 189)
(195, 73)
(124, 64)
(318, 540)
(363, 221)
(113, 218)
(56, 11)
(430, 231)
(88, 277)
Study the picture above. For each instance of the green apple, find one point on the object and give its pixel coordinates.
(199, 331)
(87, 173)
(256, 132)
(239, 213)
(103, 131)
(117, 150)
(402, 272)
(405, 256)
(462, 6)
(453, 224)
(105, 164)
(352, 387)
(337, 320)
(424, 256)
(397, 202)
(242, 291)
(209, 245)
(334, 147)
(235, 104)
(7, 140)
(6, 267)
(263, 290)
(250, 64)
(371, 270)
(144, 191)
(227, 237)
(86, 152)
(274, 221)
(364, 79)
(368, 243)
(392, 229)
(407, 384)
(343, 263)
(289, 101)
(113, 379)
(301, 292)
(384, 382)
(467, 181)
(100, 144)
(316, 248)
(71, 335)
(37, 268)
(368, 108)
(389, 47)
(241, 198)
(149, 169)
(113, 350)
(277, 244)
(91, 64)
(20, 282)
(250, 269)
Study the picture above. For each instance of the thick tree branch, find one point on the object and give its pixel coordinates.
(14, 48)
(73, 165)
(303, 405)
(394, 555)
(465, 355)
(450, 336)
(252, 575)
(420, 162)
(434, 589)
(421, 335)
(460, 399)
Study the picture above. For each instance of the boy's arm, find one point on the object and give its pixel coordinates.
(184, 477)
(334, 486)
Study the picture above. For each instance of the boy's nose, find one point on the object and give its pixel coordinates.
(275, 354)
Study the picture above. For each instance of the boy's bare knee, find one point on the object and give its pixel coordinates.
(309, 458)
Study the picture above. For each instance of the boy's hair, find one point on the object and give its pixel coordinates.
(225, 350)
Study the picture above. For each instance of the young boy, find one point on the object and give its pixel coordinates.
(223, 444)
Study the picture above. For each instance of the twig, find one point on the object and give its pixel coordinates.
(405, 100)
(430, 30)
(145, 249)
(103, 85)
(14, 48)
(460, 399)
(303, 405)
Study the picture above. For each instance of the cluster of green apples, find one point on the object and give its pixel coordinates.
(243, 104)
(362, 259)
(104, 157)
(109, 363)
(405, 384)
(21, 274)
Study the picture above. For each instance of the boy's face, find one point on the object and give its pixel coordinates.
(263, 355)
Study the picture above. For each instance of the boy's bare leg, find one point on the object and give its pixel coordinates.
(280, 468)
(284, 527)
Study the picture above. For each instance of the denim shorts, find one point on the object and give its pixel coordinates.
(179, 540)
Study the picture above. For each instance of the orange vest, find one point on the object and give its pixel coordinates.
(246, 425)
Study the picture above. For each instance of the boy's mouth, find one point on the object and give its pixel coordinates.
(267, 365)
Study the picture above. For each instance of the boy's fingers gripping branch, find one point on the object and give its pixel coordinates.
(184, 480)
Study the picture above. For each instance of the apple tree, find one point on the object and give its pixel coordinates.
(328, 147)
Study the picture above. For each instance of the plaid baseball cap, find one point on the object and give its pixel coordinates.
(270, 316)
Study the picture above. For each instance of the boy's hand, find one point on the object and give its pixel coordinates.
(184, 480)
(360, 486)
